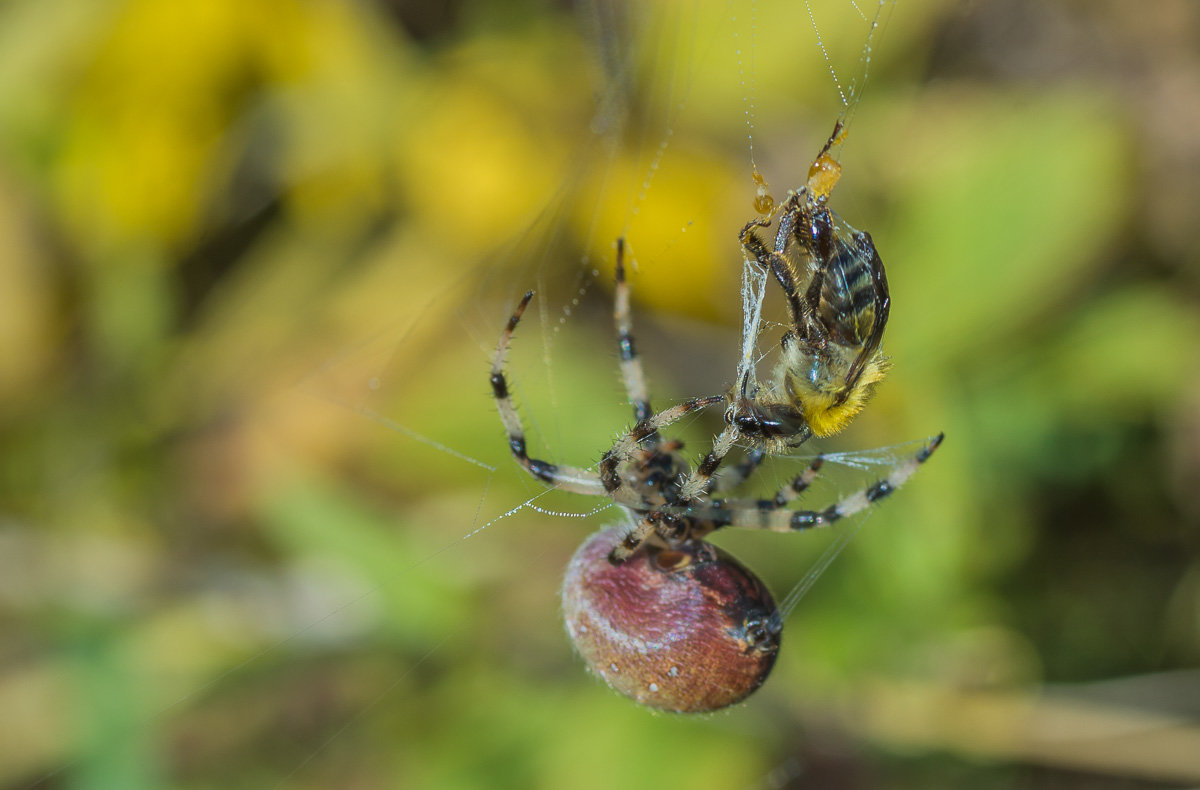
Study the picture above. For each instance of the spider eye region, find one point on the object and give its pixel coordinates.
(685, 629)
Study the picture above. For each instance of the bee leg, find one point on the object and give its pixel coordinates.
(781, 269)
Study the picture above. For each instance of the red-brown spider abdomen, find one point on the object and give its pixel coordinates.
(688, 629)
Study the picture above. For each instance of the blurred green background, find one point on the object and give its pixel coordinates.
(258, 525)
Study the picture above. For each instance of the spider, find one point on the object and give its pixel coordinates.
(830, 357)
(679, 625)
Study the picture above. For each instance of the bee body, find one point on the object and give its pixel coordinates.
(837, 293)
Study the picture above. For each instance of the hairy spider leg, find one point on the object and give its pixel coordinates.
(700, 480)
(632, 373)
(629, 442)
(567, 478)
(730, 478)
(800, 482)
(770, 516)
(788, 493)
(636, 537)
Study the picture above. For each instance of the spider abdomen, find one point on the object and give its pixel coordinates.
(687, 629)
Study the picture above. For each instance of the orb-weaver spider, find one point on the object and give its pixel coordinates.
(680, 625)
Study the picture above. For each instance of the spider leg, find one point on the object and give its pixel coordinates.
(634, 540)
(788, 493)
(568, 478)
(650, 523)
(632, 373)
(778, 519)
(729, 479)
(800, 483)
(698, 482)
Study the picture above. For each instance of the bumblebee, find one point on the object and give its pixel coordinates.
(838, 302)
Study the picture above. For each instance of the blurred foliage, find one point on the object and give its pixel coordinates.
(258, 525)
